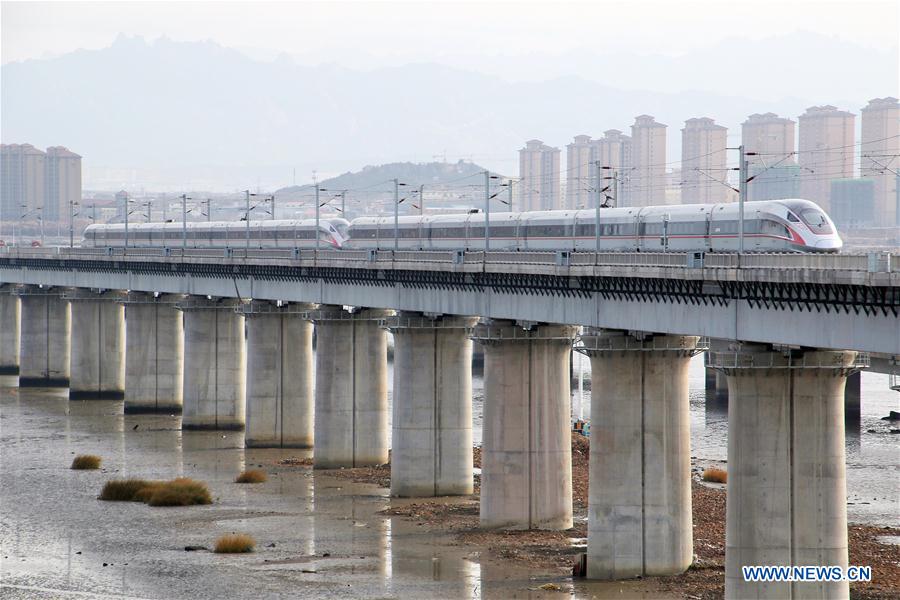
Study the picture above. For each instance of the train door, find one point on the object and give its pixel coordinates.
(755, 227)
(664, 236)
(638, 232)
(708, 223)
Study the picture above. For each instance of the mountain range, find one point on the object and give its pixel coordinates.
(176, 107)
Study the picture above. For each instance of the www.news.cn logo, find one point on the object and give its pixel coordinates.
(807, 573)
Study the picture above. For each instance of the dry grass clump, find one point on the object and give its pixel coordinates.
(234, 544)
(86, 461)
(251, 476)
(715, 475)
(125, 490)
(177, 492)
(180, 492)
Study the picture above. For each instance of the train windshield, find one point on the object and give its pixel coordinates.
(342, 229)
(815, 219)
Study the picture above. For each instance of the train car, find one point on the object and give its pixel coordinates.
(792, 225)
(225, 234)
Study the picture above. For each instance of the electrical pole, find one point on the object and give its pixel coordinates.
(126, 219)
(487, 212)
(184, 200)
(344, 204)
(509, 185)
(71, 223)
(422, 199)
(742, 193)
(600, 180)
(317, 213)
(273, 207)
(247, 217)
(396, 214)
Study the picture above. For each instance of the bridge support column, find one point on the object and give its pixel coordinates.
(526, 456)
(44, 342)
(351, 423)
(214, 376)
(431, 452)
(786, 473)
(9, 331)
(639, 513)
(154, 354)
(279, 375)
(97, 369)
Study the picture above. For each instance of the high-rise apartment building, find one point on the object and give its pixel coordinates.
(121, 205)
(22, 180)
(880, 156)
(826, 151)
(770, 141)
(645, 183)
(62, 185)
(538, 177)
(614, 151)
(769, 135)
(581, 172)
(703, 162)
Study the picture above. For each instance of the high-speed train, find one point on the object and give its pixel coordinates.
(769, 226)
(221, 234)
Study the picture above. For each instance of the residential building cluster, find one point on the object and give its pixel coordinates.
(816, 157)
(38, 185)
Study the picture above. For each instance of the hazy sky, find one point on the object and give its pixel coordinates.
(369, 34)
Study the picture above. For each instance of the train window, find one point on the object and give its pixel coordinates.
(546, 231)
(723, 227)
(503, 231)
(618, 229)
(815, 220)
(585, 230)
(236, 234)
(476, 232)
(769, 227)
(652, 229)
(792, 217)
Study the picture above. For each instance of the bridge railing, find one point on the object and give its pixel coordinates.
(880, 262)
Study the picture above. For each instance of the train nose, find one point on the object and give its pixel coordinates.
(829, 244)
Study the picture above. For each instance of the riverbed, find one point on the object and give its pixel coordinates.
(318, 535)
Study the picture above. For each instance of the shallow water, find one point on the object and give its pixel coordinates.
(55, 535)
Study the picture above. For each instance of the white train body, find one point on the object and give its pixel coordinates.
(769, 226)
(224, 234)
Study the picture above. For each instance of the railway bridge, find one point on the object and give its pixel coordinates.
(226, 336)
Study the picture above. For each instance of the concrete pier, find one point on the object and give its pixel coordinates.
(786, 500)
(44, 340)
(639, 513)
(9, 331)
(279, 375)
(97, 369)
(431, 452)
(351, 424)
(154, 354)
(214, 376)
(526, 459)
